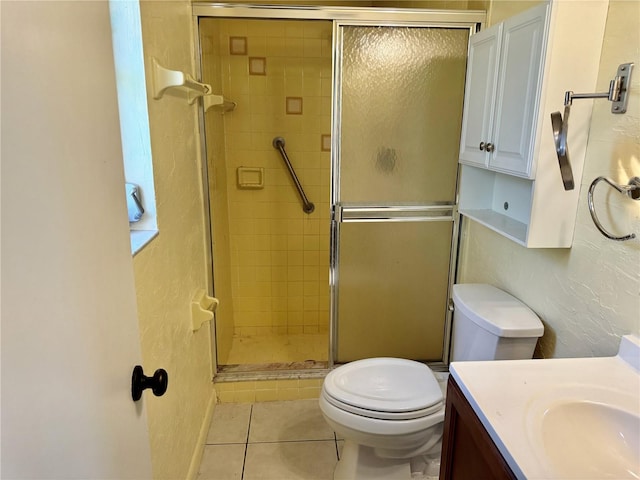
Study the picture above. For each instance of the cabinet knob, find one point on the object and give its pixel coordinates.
(482, 144)
(490, 147)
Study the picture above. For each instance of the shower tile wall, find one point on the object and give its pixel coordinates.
(279, 255)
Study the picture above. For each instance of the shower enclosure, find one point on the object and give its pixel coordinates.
(369, 104)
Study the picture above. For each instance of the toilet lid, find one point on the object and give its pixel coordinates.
(384, 385)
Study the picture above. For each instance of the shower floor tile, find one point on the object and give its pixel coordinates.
(261, 349)
(287, 441)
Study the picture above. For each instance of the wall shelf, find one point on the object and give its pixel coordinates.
(507, 226)
(164, 79)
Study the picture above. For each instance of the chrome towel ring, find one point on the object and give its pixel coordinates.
(632, 190)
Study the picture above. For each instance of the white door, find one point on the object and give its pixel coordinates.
(518, 91)
(479, 101)
(69, 329)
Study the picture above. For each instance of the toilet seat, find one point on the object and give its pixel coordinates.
(384, 388)
(413, 415)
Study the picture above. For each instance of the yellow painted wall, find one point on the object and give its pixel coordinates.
(333, 3)
(499, 10)
(171, 268)
(587, 296)
(430, 4)
(279, 255)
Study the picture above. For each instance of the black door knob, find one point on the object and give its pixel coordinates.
(139, 382)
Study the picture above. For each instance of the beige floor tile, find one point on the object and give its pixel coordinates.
(290, 461)
(288, 421)
(222, 462)
(229, 424)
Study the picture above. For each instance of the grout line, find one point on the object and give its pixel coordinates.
(264, 442)
(246, 444)
(225, 443)
(335, 439)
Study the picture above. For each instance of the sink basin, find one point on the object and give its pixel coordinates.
(584, 439)
(586, 432)
(563, 418)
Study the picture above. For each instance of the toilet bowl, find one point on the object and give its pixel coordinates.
(390, 411)
(386, 409)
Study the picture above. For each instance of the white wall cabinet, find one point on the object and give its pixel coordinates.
(517, 75)
(479, 99)
(504, 80)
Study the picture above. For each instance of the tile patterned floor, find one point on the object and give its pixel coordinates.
(279, 348)
(269, 441)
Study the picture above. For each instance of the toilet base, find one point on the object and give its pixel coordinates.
(358, 462)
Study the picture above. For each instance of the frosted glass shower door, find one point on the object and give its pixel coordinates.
(398, 115)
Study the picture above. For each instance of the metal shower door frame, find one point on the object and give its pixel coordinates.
(340, 16)
(342, 213)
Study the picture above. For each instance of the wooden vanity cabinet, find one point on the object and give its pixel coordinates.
(468, 452)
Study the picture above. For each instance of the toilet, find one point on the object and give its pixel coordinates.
(390, 411)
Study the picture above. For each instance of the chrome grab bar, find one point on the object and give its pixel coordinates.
(632, 190)
(307, 206)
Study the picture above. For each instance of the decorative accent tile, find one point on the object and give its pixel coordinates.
(294, 105)
(325, 143)
(238, 45)
(257, 66)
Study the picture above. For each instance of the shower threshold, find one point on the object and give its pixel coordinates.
(272, 371)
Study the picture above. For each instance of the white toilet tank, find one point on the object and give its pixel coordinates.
(490, 324)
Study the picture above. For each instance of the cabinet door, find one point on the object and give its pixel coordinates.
(518, 92)
(480, 93)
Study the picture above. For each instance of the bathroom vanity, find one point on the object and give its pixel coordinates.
(467, 449)
(570, 418)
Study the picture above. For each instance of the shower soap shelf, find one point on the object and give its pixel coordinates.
(202, 308)
(250, 177)
(163, 79)
(224, 104)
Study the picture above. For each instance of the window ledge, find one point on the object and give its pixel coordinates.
(140, 238)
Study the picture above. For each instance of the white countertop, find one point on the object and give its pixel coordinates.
(510, 397)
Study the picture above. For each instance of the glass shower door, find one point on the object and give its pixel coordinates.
(398, 113)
